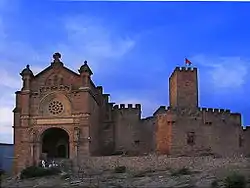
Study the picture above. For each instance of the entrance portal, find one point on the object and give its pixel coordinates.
(61, 151)
(55, 143)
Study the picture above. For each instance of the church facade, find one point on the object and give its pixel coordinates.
(60, 113)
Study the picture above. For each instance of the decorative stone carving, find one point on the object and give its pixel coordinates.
(47, 89)
(55, 121)
(56, 107)
(32, 122)
(76, 134)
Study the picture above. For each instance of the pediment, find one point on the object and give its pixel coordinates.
(50, 70)
(55, 76)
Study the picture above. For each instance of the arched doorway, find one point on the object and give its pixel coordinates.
(55, 143)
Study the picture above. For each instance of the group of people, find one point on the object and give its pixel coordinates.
(48, 164)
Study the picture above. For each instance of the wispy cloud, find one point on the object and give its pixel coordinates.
(94, 40)
(224, 73)
(6, 120)
(8, 80)
(87, 38)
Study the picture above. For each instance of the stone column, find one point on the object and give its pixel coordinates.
(77, 136)
(37, 153)
(72, 153)
(32, 154)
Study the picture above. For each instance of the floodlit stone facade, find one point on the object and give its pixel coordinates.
(62, 114)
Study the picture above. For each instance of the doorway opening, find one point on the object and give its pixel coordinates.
(55, 143)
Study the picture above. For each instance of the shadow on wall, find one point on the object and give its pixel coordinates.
(6, 157)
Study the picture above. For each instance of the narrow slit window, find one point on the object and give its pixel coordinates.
(191, 138)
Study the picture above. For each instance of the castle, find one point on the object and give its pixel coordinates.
(62, 114)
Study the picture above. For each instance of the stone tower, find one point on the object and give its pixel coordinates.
(183, 88)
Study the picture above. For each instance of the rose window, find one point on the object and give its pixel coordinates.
(55, 107)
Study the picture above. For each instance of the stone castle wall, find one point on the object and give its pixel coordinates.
(106, 128)
(154, 162)
(215, 130)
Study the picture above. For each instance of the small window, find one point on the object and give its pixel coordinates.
(223, 120)
(240, 141)
(137, 142)
(191, 138)
(208, 123)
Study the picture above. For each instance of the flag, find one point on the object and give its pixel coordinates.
(187, 62)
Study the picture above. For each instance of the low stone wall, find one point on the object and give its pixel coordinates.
(161, 162)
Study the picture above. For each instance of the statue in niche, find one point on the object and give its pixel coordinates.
(33, 135)
(55, 80)
(61, 81)
(77, 135)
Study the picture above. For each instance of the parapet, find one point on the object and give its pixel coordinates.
(179, 69)
(183, 69)
(160, 110)
(106, 94)
(106, 97)
(215, 110)
(100, 89)
(246, 128)
(127, 107)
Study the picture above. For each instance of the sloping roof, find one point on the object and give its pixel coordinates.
(50, 67)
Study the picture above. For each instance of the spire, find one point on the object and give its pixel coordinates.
(27, 75)
(26, 71)
(85, 69)
(57, 59)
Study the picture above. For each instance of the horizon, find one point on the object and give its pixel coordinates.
(132, 49)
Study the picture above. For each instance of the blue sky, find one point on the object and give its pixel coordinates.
(132, 48)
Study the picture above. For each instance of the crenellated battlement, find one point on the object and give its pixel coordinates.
(100, 89)
(246, 128)
(127, 107)
(215, 110)
(179, 69)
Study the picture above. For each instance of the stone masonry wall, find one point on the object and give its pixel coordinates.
(208, 126)
(161, 162)
(121, 127)
(127, 127)
(246, 141)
